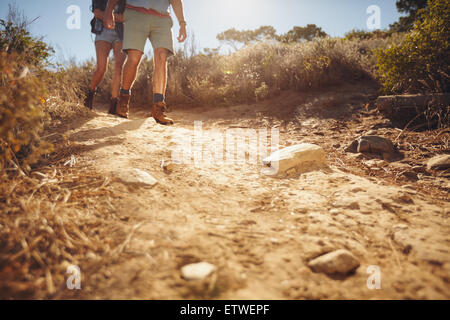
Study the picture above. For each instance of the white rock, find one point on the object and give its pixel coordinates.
(197, 271)
(297, 159)
(135, 177)
(441, 162)
(339, 261)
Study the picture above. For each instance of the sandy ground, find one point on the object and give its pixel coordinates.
(260, 232)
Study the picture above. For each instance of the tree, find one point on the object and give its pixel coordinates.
(298, 34)
(420, 62)
(410, 7)
(234, 38)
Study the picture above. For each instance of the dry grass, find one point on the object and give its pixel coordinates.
(256, 72)
(49, 220)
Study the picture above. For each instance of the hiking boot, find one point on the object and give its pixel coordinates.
(89, 99)
(113, 106)
(123, 105)
(158, 113)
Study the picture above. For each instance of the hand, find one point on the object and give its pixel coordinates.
(183, 34)
(108, 20)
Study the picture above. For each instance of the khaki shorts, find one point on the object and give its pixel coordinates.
(139, 26)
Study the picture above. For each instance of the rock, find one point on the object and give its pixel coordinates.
(410, 175)
(420, 169)
(371, 144)
(374, 163)
(375, 144)
(135, 177)
(295, 159)
(91, 255)
(399, 166)
(336, 262)
(441, 162)
(353, 147)
(167, 166)
(197, 271)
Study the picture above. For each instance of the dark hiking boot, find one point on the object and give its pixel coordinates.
(88, 102)
(113, 106)
(123, 105)
(158, 114)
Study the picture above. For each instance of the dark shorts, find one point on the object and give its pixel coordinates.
(108, 35)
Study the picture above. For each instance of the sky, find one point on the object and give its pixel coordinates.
(206, 19)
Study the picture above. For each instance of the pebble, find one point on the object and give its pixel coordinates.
(197, 271)
(336, 262)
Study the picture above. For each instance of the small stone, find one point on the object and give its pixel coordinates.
(167, 166)
(336, 262)
(197, 271)
(353, 206)
(410, 175)
(419, 169)
(135, 177)
(374, 163)
(441, 162)
(375, 144)
(403, 198)
(371, 144)
(399, 166)
(401, 226)
(91, 256)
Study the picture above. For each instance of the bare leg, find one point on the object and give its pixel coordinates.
(130, 69)
(119, 59)
(160, 75)
(159, 86)
(102, 49)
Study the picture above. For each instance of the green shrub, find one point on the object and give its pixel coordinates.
(22, 95)
(420, 62)
(258, 71)
(16, 39)
(21, 117)
(367, 35)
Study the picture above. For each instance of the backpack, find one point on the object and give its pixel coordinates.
(97, 25)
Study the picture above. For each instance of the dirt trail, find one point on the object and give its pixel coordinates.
(260, 232)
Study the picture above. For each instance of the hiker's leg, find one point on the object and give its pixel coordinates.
(160, 74)
(131, 67)
(103, 49)
(119, 59)
(159, 87)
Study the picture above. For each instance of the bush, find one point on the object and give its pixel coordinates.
(257, 71)
(22, 95)
(420, 62)
(21, 116)
(367, 35)
(16, 39)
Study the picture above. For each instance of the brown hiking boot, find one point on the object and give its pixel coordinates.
(158, 114)
(89, 99)
(123, 106)
(113, 105)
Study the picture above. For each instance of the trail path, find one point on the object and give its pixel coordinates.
(260, 232)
